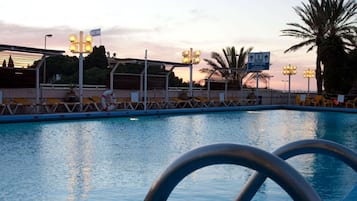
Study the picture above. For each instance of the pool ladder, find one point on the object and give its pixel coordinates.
(265, 164)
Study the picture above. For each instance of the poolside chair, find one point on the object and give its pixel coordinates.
(297, 100)
(89, 105)
(327, 102)
(24, 104)
(180, 103)
(5, 106)
(121, 103)
(201, 101)
(233, 101)
(97, 102)
(51, 104)
(317, 101)
(156, 103)
(351, 103)
(72, 106)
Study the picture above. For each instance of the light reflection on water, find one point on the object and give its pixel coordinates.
(118, 159)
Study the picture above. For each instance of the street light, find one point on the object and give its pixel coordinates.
(81, 45)
(190, 57)
(44, 62)
(309, 74)
(289, 70)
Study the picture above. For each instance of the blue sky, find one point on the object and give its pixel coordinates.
(164, 28)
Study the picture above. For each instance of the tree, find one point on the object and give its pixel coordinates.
(10, 64)
(322, 19)
(263, 77)
(4, 63)
(97, 59)
(66, 66)
(337, 78)
(232, 66)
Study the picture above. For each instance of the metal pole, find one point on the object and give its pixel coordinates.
(80, 81)
(289, 91)
(44, 64)
(146, 80)
(191, 66)
(308, 86)
(80, 71)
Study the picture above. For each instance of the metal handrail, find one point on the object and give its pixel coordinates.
(297, 148)
(269, 164)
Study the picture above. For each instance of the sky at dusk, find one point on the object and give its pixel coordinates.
(165, 28)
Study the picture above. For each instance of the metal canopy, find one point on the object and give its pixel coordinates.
(30, 50)
(116, 61)
(44, 52)
(142, 61)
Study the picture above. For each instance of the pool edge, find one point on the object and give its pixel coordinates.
(130, 113)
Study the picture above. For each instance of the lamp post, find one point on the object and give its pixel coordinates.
(81, 45)
(289, 70)
(285, 81)
(190, 57)
(309, 74)
(44, 62)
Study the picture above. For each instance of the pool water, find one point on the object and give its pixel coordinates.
(120, 158)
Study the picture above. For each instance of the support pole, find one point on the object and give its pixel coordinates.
(146, 80)
(80, 81)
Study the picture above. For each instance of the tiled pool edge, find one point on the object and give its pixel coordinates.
(131, 113)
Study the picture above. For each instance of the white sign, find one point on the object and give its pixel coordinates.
(258, 61)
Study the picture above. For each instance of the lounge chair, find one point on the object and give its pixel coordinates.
(97, 102)
(297, 100)
(5, 106)
(180, 103)
(156, 103)
(121, 103)
(233, 101)
(317, 101)
(201, 101)
(24, 104)
(89, 105)
(72, 106)
(51, 104)
(351, 103)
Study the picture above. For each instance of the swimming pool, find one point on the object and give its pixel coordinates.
(119, 158)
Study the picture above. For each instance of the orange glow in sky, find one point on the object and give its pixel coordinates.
(164, 28)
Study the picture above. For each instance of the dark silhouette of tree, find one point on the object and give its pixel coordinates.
(10, 64)
(96, 69)
(231, 66)
(323, 19)
(4, 63)
(263, 77)
(97, 59)
(337, 77)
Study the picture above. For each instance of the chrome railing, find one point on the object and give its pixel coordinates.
(266, 164)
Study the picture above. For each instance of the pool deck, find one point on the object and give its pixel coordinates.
(133, 113)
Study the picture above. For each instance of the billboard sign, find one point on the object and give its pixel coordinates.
(258, 61)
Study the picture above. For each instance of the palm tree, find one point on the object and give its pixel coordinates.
(263, 77)
(322, 18)
(231, 66)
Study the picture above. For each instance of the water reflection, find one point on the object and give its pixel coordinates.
(118, 159)
(79, 162)
(66, 157)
